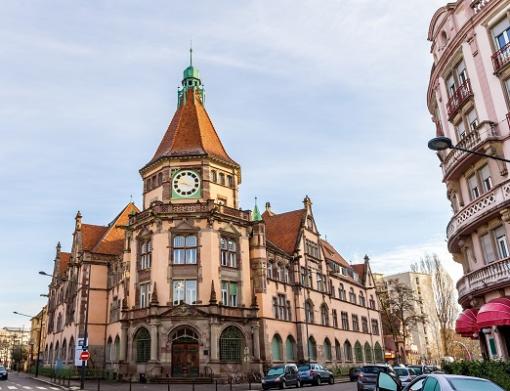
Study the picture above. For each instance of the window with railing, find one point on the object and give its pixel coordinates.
(501, 34)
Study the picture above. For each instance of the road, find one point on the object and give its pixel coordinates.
(24, 382)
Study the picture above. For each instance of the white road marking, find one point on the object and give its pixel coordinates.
(27, 387)
(41, 388)
(55, 388)
(12, 387)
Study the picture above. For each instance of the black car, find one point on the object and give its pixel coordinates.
(281, 376)
(353, 373)
(3, 373)
(315, 374)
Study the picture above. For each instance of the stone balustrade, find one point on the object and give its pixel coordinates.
(489, 275)
(482, 205)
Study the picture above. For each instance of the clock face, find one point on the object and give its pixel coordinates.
(186, 183)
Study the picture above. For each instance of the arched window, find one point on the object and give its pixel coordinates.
(368, 353)
(59, 323)
(276, 348)
(231, 344)
(290, 349)
(270, 269)
(309, 311)
(185, 249)
(378, 353)
(142, 344)
(347, 351)
(214, 176)
(108, 352)
(335, 319)
(341, 292)
(222, 179)
(324, 315)
(372, 302)
(338, 351)
(312, 349)
(70, 353)
(116, 349)
(64, 351)
(361, 299)
(328, 355)
(352, 296)
(358, 352)
(145, 254)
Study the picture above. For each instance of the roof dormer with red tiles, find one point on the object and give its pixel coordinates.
(191, 163)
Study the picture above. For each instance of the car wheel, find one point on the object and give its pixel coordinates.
(318, 381)
(298, 384)
(331, 380)
(283, 385)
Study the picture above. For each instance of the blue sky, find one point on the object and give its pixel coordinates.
(320, 98)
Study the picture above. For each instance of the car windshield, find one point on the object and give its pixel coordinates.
(466, 384)
(2, 368)
(275, 371)
(417, 370)
(305, 367)
(372, 369)
(401, 371)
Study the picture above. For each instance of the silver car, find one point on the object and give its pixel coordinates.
(405, 375)
(443, 382)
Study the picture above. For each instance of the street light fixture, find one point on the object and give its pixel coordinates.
(38, 339)
(43, 273)
(442, 143)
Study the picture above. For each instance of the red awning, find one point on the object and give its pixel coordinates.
(466, 323)
(495, 313)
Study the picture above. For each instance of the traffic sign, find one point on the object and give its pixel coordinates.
(84, 356)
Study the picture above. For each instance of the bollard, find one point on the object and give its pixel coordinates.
(168, 385)
(249, 384)
(98, 383)
(193, 385)
(69, 381)
(230, 381)
(130, 383)
(216, 382)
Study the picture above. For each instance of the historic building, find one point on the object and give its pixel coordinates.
(193, 285)
(38, 330)
(469, 99)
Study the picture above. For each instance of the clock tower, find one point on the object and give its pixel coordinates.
(191, 163)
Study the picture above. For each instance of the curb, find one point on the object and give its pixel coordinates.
(49, 382)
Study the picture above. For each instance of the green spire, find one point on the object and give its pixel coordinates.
(190, 81)
(255, 214)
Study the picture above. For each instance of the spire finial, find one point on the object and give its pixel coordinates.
(255, 215)
(190, 53)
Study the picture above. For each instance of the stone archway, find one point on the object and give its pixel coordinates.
(185, 352)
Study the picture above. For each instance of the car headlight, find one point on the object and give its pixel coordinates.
(277, 379)
(263, 381)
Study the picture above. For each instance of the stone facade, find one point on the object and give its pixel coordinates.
(192, 285)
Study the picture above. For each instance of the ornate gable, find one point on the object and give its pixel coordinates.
(184, 311)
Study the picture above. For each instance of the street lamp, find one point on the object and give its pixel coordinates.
(39, 338)
(43, 273)
(442, 143)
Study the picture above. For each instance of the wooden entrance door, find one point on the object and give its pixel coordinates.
(185, 359)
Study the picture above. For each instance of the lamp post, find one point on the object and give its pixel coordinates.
(443, 143)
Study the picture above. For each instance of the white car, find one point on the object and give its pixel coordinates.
(405, 375)
(437, 382)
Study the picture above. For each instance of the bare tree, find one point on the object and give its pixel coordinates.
(444, 296)
(399, 310)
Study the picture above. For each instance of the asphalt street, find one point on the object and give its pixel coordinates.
(24, 382)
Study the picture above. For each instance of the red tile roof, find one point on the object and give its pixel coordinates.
(90, 235)
(332, 254)
(283, 229)
(360, 269)
(112, 242)
(63, 264)
(191, 132)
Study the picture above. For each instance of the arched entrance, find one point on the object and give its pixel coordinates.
(185, 350)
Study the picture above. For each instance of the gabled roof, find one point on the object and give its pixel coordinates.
(63, 264)
(112, 241)
(283, 229)
(332, 254)
(361, 270)
(191, 132)
(90, 235)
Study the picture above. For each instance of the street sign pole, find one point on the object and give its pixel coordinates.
(86, 340)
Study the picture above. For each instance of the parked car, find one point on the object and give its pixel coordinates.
(281, 376)
(406, 375)
(315, 374)
(367, 379)
(437, 382)
(3, 373)
(353, 373)
(418, 369)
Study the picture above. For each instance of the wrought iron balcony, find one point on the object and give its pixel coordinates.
(472, 140)
(481, 207)
(459, 97)
(488, 276)
(501, 57)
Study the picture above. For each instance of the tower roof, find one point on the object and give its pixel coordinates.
(191, 132)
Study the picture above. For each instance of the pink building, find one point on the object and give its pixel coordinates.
(469, 99)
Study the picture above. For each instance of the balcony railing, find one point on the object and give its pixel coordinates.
(471, 140)
(482, 205)
(501, 57)
(477, 5)
(461, 95)
(489, 275)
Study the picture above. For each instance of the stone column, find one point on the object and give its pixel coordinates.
(256, 342)
(154, 341)
(214, 342)
(123, 343)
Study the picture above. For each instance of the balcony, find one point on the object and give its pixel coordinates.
(473, 139)
(459, 97)
(492, 275)
(481, 208)
(501, 58)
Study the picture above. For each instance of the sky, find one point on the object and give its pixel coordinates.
(321, 98)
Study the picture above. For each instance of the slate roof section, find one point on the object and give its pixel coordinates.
(283, 229)
(191, 133)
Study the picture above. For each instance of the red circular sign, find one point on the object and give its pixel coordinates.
(84, 356)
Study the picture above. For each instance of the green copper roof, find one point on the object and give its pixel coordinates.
(255, 214)
(191, 81)
(191, 72)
